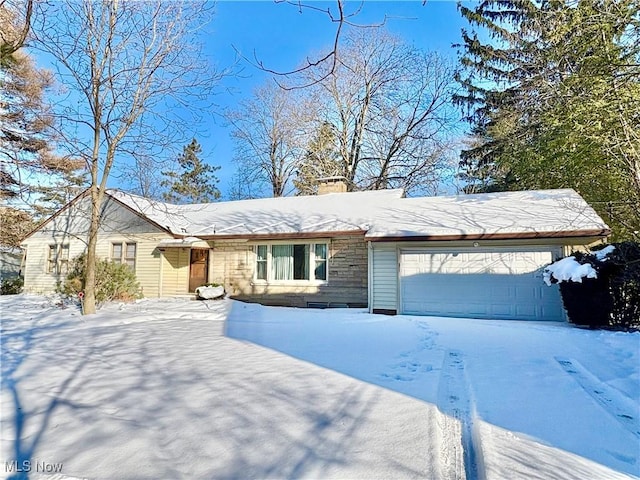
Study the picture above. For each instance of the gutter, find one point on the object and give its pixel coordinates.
(492, 236)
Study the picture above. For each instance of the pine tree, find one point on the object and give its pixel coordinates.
(195, 182)
(15, 224)
(322, 159)
(552, 98)
(65, 187)
(28, 162)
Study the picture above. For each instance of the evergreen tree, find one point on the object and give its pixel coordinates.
(15, 224)
(65, 187)
(322, 159)
(28, 163)
(552, 98)
(195, 182)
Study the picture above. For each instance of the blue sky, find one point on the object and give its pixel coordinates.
(281, 37)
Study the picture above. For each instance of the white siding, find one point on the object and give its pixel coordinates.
(147, 268)
(175, 271)
(36, 277)
(385, 277)
(69, 226)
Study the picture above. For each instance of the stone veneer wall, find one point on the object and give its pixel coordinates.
(232, 264)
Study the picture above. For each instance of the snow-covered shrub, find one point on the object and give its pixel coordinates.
(601, 288)
(210, 291)
(114, 281)
(11, 286)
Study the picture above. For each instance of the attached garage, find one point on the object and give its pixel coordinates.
(477, 256)
(500, 283)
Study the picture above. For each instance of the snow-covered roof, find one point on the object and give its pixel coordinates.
(316, 214)
(182, 242)
(525, 214)
(6, 249)
(381, 214)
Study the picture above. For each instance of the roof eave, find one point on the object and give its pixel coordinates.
(605, 232)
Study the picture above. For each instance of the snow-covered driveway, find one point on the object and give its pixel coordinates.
(185, 389)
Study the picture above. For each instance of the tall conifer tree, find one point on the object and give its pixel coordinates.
(195, 182)
(552, 97)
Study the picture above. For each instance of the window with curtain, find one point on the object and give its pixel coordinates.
(282, 262)
(261, 262)
(291, 262)
(320, 270)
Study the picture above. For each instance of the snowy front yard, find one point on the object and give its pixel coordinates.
(186, 389)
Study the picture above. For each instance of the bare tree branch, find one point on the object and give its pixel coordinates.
(327, 61)
(129, 66)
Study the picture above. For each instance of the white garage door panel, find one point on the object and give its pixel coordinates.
(483, 284)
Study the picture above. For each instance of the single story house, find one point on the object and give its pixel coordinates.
(469, 255)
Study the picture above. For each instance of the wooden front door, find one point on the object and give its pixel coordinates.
(198, 268)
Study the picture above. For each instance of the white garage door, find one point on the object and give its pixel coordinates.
(502, 284)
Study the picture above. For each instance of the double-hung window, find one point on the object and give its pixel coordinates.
(261, 262)
(58, 259)
(291, 262)
(122, 252)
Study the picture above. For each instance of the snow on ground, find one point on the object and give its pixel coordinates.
(220, 389)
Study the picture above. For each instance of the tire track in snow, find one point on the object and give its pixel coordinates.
(460, 449)
(621, 408)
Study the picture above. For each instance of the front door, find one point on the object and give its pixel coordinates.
(199, 266)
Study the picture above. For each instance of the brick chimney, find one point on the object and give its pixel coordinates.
(332, 185)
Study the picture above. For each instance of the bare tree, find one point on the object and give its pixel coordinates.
(381, 119)
(270, 131)
(341, 15)
(129, 67)
(144, 175)
(389, 105)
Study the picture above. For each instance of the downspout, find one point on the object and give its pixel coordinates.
(369, 276)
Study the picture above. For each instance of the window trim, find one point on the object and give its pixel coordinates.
(123, 253)
(55, 264)
(312, 281)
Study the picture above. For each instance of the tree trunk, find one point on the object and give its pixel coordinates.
(90, 272)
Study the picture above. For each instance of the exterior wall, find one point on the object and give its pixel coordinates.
(175, 271)
(384, 275)
(384, 278)
(233, 264)
(147, 268)
(147, 258)
(70, 226)
(583, 246)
